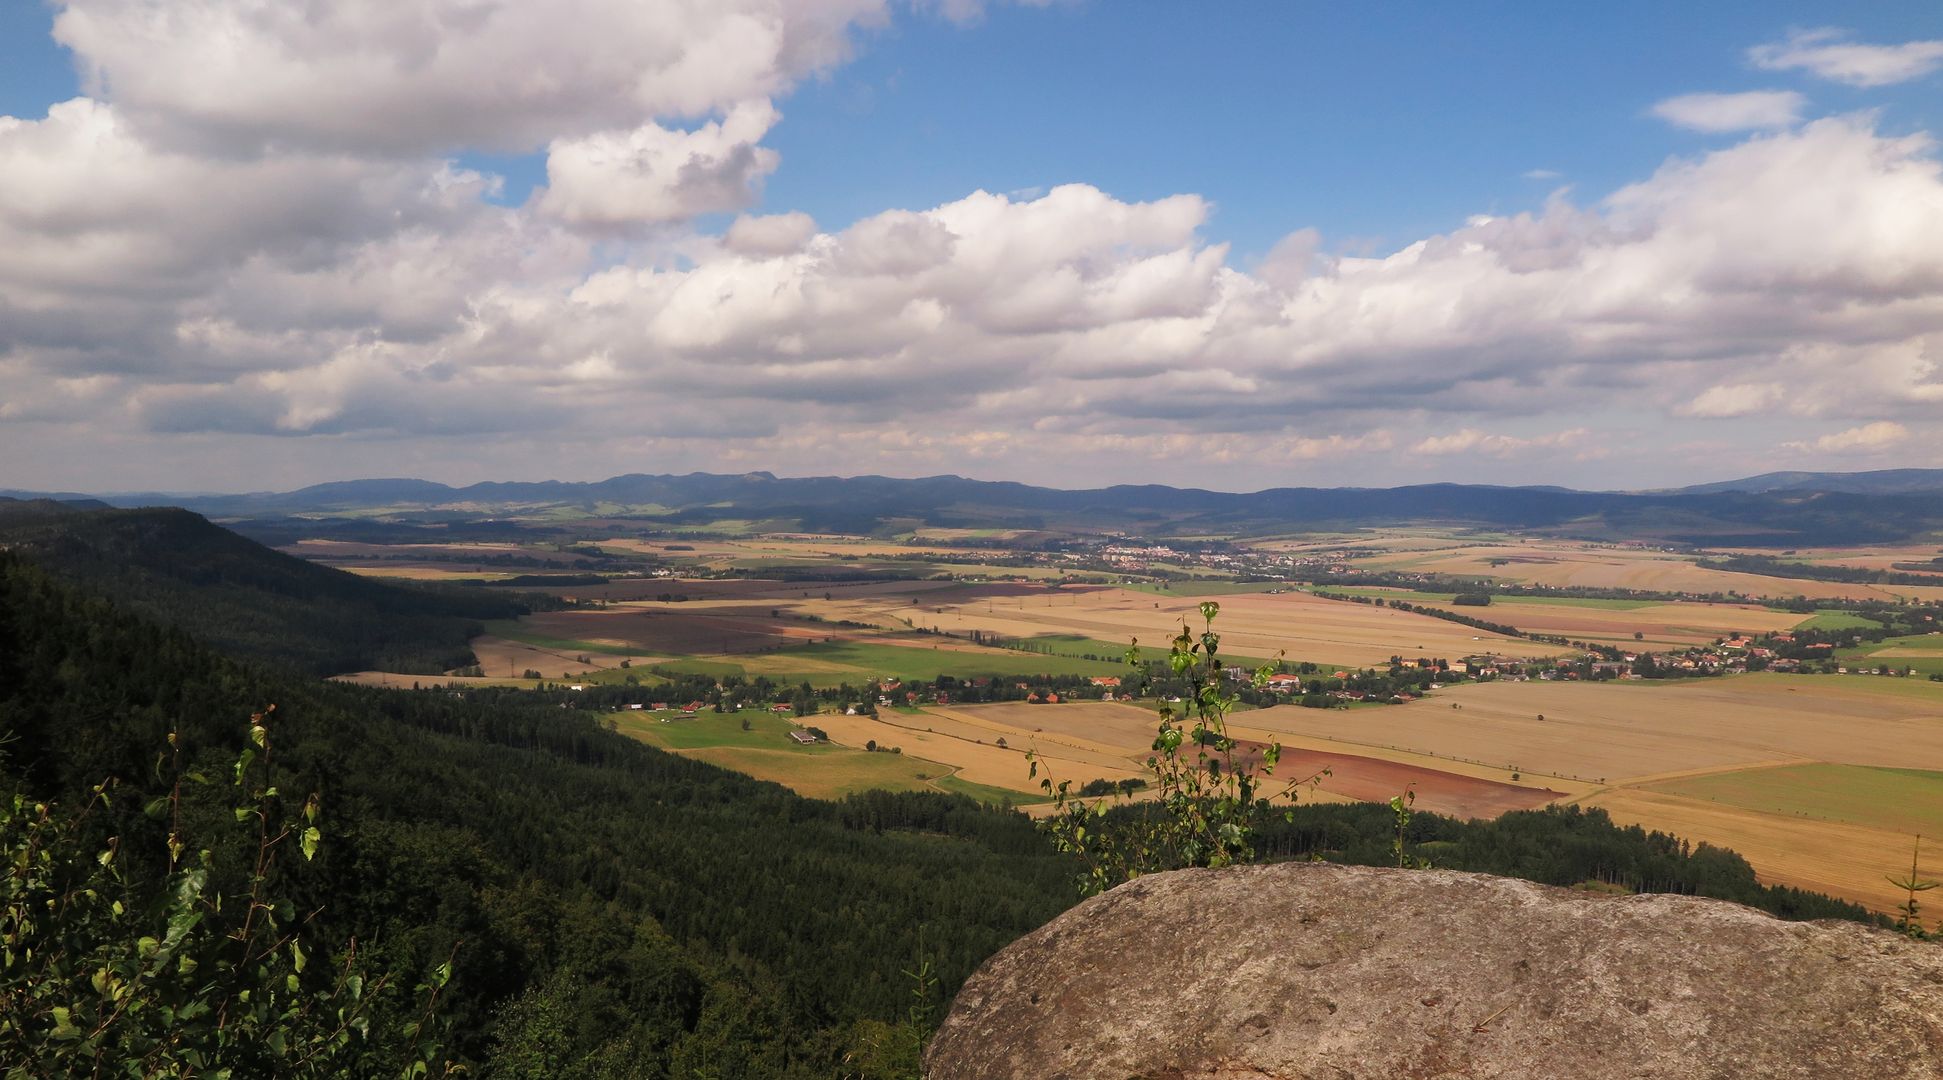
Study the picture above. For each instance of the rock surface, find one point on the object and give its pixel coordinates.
(1314, 970)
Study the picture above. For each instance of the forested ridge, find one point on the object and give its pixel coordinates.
(612, 910)
(179, 569)
(617, 910)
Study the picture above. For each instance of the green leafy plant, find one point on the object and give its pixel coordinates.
(208, 977)
(1401, 811)
(1208, 790)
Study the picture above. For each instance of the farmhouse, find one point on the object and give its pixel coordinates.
(804, 738)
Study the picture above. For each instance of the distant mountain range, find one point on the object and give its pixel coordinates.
(1776, 509)
(1879, 482)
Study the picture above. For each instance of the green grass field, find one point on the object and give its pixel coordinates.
(614, 677)
(1836, 619)
(1073, 645)
(831, 775)
(832, 663)
(1923, 654)
(1900, 800)
(1915, 688)
(823, 770)
(986, 793)
(767, 731)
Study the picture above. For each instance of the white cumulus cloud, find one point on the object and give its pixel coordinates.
(652, 175)
(433, 76)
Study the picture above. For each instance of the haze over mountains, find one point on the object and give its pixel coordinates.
(1775, 509)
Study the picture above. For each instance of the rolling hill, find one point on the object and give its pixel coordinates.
(183, 571)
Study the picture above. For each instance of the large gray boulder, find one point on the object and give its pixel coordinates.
(1316, 970)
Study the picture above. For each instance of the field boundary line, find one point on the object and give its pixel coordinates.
(1431, 754)
(1649, 779)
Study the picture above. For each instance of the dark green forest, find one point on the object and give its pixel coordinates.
(609, 909)
(616, 910)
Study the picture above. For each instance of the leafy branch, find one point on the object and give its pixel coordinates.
(1206, 797)
(191, 982)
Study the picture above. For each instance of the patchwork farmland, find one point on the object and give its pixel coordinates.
(1747, 762)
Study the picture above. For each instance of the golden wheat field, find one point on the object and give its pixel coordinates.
(963, 739)
(1884, 557)
(1625, 731)
(1626, 737)
(1607, 745)
(1660, 626)
(1838, 858)
(1261, 625)
(1084, 741)
(803, 546)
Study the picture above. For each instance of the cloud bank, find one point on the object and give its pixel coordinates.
(187, 268)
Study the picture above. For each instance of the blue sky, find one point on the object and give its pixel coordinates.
(1378, 126)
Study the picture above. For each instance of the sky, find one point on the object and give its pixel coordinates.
(251, 245)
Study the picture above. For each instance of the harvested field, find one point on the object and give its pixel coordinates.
(1121, 728)
(972, 748)
(751, 589)
(505, 656)
(1622, 731)
(1368, 779)
(775, 547)
(1838, 858)
(828, 776)
(1559, 563)
(1661, 624)
(1251, 625)
(1111, 740)
(1865, 558)
(414, 572)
